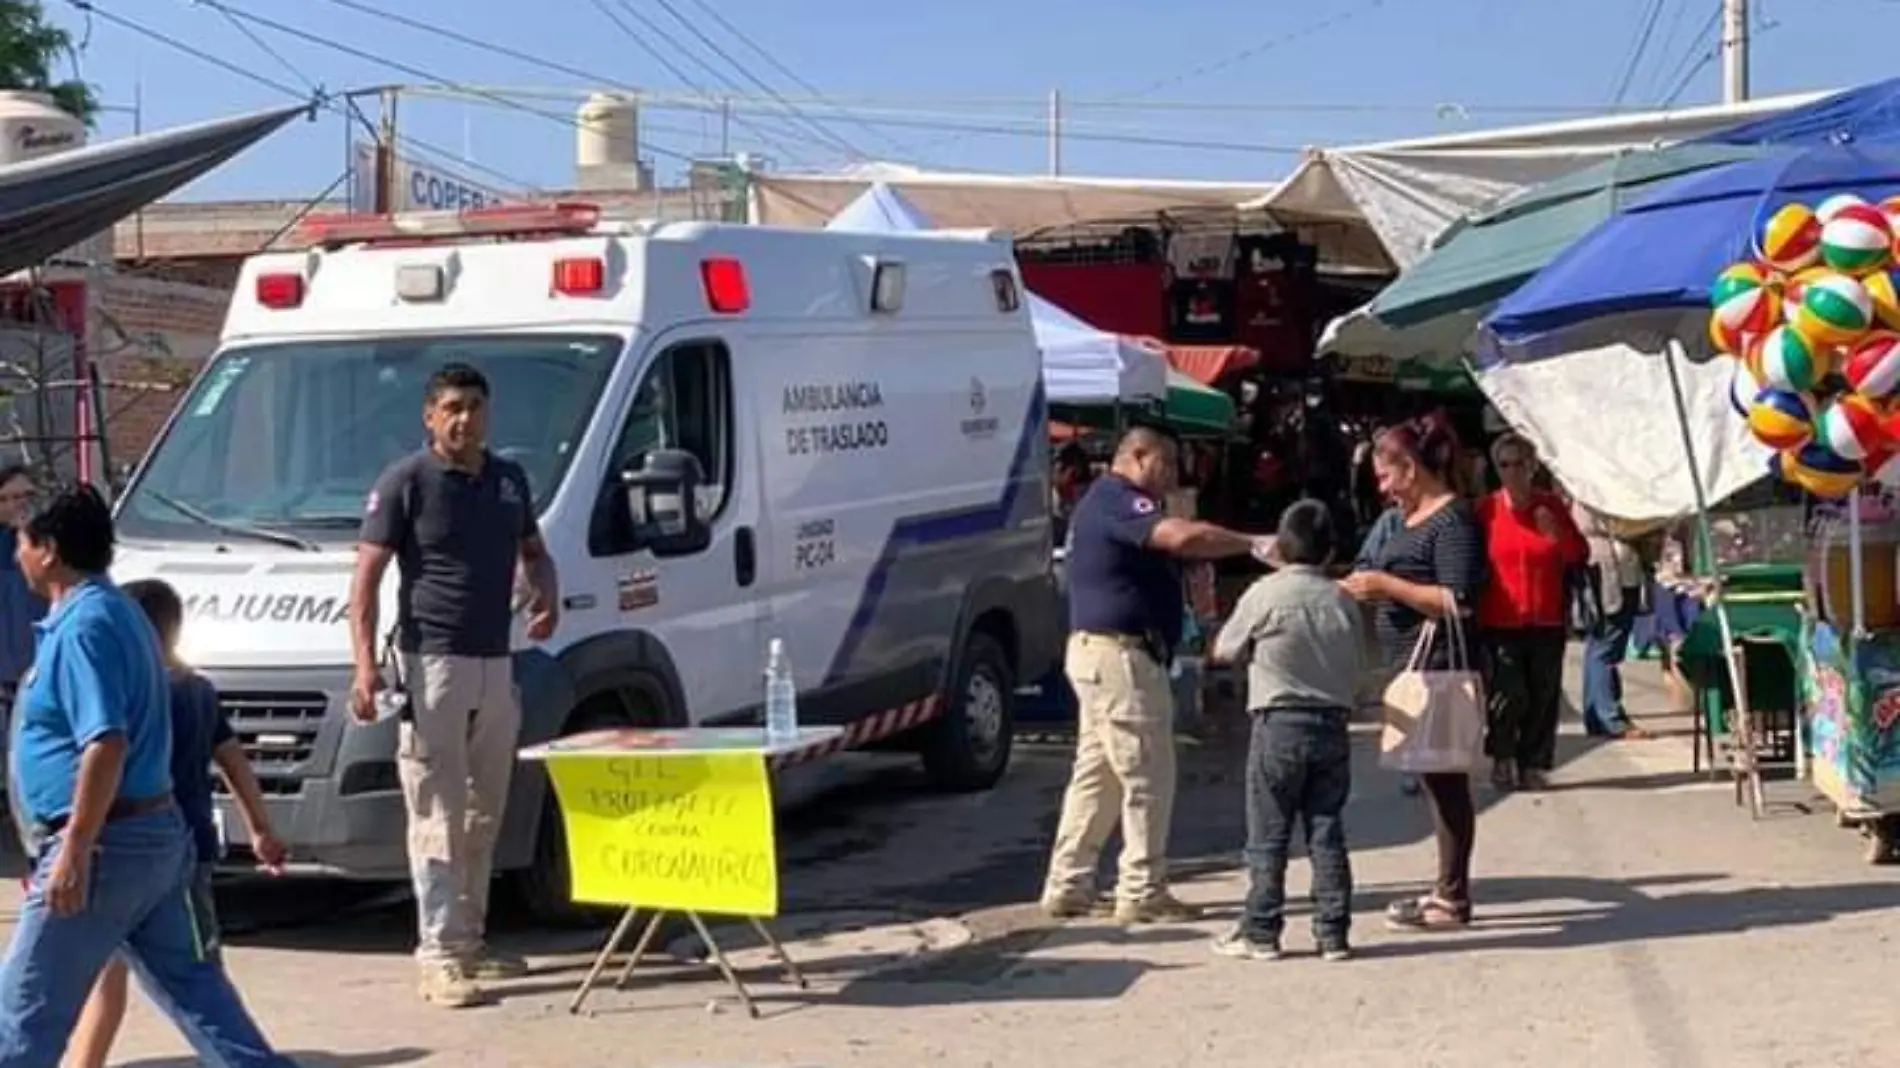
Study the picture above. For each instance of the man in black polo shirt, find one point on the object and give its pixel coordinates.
(456, 519)
(1125, 615)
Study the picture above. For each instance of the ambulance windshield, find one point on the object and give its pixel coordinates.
(282, 441)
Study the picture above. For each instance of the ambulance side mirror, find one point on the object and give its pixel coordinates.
(662, 497)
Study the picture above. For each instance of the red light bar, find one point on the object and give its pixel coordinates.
(580, 276)
(280, 291)
(724, 282)
(510, 221)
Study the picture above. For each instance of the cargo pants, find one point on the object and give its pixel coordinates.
(455, 755)
(1124, 769)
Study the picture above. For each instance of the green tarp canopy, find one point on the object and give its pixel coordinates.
(1485, 257)
(1191, 409)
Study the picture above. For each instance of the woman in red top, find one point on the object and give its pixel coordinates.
(1529, 541)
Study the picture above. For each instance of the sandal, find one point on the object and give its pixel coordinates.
(1427, 913)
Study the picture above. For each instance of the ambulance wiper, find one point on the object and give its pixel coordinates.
(276, 537)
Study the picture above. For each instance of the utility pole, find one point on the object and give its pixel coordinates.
(1055, 133)
(1734, 51)
(386, 155)
(725, 128)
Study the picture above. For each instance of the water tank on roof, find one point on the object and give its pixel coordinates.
(32, 126)
(608, 134)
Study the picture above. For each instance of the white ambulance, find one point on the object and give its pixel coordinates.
(733, 434)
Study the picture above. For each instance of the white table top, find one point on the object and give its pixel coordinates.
(680, 742)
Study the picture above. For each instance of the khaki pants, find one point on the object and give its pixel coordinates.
(1124, 770)
(455, 757)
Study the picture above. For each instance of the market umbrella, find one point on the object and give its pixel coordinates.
(1485, 256)
(1664, 251)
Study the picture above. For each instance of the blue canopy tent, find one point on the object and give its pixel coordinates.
(1654, 262)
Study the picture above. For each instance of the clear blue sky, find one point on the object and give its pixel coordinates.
(1340, 70)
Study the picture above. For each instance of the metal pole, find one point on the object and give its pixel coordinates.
(1055, 133)
(1734, 51)
(138, 127)
(386, 155)
(725, 128)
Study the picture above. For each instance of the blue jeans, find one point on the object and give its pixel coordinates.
(1299, 770)
(1603, 655)
(138, 903)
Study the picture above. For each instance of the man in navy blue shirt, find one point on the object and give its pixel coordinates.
(1126, 610)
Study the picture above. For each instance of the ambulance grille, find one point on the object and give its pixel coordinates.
(278, 732)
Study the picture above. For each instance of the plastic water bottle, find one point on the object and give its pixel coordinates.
(781, 696)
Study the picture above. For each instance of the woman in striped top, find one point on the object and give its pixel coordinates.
(1431, 566)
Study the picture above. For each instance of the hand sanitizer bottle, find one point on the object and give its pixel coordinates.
(781, 696)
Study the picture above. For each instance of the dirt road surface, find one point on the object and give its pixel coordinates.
(1631, 915)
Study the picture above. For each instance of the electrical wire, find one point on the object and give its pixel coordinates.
(1684, 71)
(1666, 45)
(411, 70)
(590, 77)
(1646, 29)
(1252, 51)
(326, 103)
(746, 73)
(791, 75)
(659, 56)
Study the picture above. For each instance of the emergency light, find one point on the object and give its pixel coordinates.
(887, 287)
(725, 286)
(510, 221)
(280, 290)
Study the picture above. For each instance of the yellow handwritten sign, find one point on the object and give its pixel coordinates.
(687, 833)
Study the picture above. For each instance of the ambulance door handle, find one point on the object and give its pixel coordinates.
(745, 557)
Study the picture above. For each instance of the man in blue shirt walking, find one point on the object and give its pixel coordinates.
(92, 760)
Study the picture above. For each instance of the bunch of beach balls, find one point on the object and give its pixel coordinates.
(1813, 321)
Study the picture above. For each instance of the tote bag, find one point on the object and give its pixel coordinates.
(1434, 720)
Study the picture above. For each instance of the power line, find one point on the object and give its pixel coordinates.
(1684, 71)
(1665, 45)
(1646, 29)
(325, 102)
(1267, 45)
(411, 70)
(659, 56)
(591, 77)
(746, 73)
(790, 74)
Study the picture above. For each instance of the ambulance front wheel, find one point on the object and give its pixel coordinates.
(966, 748)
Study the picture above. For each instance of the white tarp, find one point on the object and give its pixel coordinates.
(1403, 194)
(1080, 363)
(1601, 417)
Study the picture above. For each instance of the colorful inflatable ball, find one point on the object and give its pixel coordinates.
(1781, 420)
(1790, 239)
(1743, 388)
(1746, 306)
(1857, 239)
(1787, 360)
(1853, 427)
(1797, 283)
(1884, 469)
(1818, 470)
(1834, 310)
(1826, 211)
(1872, 368)
(1883, 289)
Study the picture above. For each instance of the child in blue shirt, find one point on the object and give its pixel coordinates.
(201, 737)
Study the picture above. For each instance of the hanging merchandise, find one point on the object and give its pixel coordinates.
(1813, 321)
